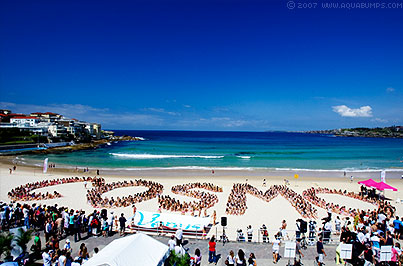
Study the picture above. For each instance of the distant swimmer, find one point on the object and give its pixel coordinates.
(212, 171)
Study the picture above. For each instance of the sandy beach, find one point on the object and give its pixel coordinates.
(258, 212)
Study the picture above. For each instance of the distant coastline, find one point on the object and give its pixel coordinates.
(385, 132)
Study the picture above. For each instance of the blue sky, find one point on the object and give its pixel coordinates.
(203, 65)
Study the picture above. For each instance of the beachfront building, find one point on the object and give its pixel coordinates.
(57, 131)
(24, 121)
(47, 117)
(94, 130)
(51, 125)
(40, 129)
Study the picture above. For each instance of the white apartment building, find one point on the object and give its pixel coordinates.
(24, 121)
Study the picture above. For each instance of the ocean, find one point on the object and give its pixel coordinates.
(237, 150)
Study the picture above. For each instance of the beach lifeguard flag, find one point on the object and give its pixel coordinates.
(296, 176)
(45, 165)
(383, 176)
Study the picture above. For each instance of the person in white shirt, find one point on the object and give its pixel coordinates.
(276, 248)
(25, 211)
(381, 218)
(47, 258)
(111, 219)
(231, 258)
(179, 250)
(337, 223)
(179, 236)
(171, 243)
(328, 226)
(62, 258)
(361, 236)
(250, 233)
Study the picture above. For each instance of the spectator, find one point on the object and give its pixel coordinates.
(265, 233)
(276, 248)
(179, 236)
(320, 250)
(212, 250)
(240, 258)
(230, 258)
(250, 233)
(172, 243)
(122, 222)
(298, 252)
(196, 260)
(47, 257)
(252, 260)
(369, 256)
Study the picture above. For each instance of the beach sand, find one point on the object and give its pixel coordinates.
(259, 212)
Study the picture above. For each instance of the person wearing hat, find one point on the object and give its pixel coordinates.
(67, 246)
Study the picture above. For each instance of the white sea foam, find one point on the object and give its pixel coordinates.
(257, 169)
(244, 157)
(193, 168)
(163, 156)
(341, 170)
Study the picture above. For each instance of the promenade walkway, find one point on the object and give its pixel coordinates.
(262, 251)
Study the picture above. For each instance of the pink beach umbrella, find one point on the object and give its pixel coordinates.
(384, 186)
(369, 183)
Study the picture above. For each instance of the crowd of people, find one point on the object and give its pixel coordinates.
(241, 259)
(57, 223)
(368, 231)
(206, 200)
(311, 196)
(24, 192)
(99, 187)
(236, 204)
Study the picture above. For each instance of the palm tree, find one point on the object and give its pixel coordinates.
(5, 243)
(23, 239)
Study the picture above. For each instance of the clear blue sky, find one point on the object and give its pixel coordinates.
(203, 65)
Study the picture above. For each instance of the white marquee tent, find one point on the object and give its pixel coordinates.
(138, 249)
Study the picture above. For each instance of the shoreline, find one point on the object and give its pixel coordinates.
(288, 173)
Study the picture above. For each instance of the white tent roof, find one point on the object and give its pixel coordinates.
(138, 249)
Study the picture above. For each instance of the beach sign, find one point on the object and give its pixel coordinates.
(289, 250)
(153, 220)
(296, 176)
(386, 253)
(346, 251)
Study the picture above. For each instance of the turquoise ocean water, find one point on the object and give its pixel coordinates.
(238, 150)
